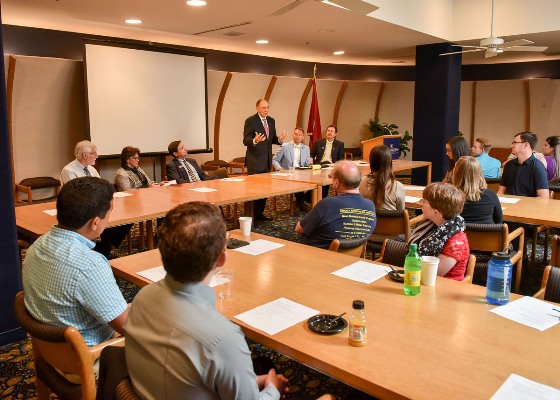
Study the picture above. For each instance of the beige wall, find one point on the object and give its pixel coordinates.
(49, 111)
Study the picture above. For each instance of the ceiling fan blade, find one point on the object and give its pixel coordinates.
(460, 52)
(520, 42)
(491, 52)
(468, 47)
(357, 6)
(527, 48)
(286, 8)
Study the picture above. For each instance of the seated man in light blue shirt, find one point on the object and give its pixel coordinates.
(65, 282)
(294, 154)
(490, 166)
(178, 345)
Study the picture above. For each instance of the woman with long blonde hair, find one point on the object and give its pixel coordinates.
(380, 185)
(482, 205)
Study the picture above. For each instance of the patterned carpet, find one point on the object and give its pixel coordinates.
(16, 365)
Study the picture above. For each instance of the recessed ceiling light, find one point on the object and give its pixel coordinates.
(338, 53)
(196, 3)
(262, 41)
(133, 21)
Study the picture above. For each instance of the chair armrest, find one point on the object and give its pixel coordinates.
(95, 351)
(516, 233)
(205, 167)
(417, 219)
(540, 294)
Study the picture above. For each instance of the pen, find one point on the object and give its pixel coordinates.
(554, 309)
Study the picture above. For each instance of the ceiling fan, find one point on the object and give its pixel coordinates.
(494, 45)
(358, 6)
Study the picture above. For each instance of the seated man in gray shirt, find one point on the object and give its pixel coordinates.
(178, 346)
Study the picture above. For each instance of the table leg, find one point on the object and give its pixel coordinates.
(248, 209)
(150, 233)
(315, 194)
(429, 175)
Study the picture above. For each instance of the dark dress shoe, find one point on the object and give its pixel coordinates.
(262, 217)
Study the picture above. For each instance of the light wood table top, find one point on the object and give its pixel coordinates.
(401, 165)
(530, 210)
(154, 202)
(441, 344)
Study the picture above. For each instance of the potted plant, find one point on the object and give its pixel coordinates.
(382, 128)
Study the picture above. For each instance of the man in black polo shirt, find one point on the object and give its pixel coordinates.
(524, 175)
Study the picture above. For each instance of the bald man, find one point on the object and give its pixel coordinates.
(345, 216)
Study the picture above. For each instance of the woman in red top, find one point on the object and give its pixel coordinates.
(442, 233)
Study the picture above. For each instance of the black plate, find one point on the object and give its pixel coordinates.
(320, 324)
(397, 275)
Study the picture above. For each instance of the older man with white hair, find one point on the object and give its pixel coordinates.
(86, 154)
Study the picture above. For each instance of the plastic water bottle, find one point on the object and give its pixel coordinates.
(498, 282)
(357, 329)
(412, 270)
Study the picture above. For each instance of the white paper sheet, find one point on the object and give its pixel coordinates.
(158, 273)
(280, 174)
(258, 246)
(121, 194)
(508, 200)
(412, 199)
(169, 183)
(519, 388)
(529, 311)
(232, 179)
(153, 274)
(276, 316)
(362, 271)
(204, 190)
(412, 187)
(52, 212)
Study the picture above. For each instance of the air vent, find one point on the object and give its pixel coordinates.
(223, 27)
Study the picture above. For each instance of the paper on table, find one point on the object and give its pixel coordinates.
(204, 190)
(52, 212)
(412, 199)
(153, 274)
(169, 183)
(412, 187)
(158, 273)
(258, 246)
(233, 179)
(529, 311)
(362, 271)
(276, 316)
(508, 200)
(280, 174)
(121, 194)
(519, 388)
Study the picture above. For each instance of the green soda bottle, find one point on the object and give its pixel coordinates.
(412, 270)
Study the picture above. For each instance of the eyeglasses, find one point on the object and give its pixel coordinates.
(135, 158)
(514, 142)
(331, 176)
(93, 153)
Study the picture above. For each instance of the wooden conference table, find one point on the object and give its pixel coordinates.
(146, 204)
(320, 177)
(530, 210)
(442, 344)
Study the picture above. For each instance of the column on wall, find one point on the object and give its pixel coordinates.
(10, 282)
(436, 106)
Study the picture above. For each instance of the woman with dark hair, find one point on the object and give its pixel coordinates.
(455, 148)
(551, 151)
(380, 185)
(130, 175)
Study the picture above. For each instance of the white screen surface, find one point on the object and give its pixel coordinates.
(144, 99)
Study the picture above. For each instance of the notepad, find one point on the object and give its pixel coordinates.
(362, 271)
(158, 273)
(204, 190)
(519, 388)
(52, 212)
(259, 246)
(508, 200)
(531, 312)
(121, 194)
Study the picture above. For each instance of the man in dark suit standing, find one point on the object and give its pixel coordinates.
(259, 133)
(328, 151)
(182, 169)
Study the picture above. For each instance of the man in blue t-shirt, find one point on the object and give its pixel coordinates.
(524, 175)
(490, 166)
(345, 216)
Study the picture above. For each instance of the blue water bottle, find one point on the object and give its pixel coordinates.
(498, 283)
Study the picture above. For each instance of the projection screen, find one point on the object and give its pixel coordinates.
(145, 98)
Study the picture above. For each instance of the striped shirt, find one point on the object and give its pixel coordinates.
(67, 283)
